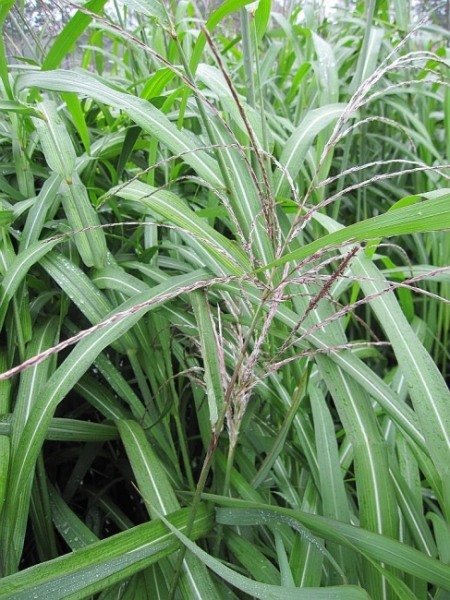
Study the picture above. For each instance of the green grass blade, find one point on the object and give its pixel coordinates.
(31, 384)
(415, 519)
(18, 270)
(262, 18)
(38, 213)
(78, 116)
(70, 34)
(266, 591)
(376, 500)
(91, 569)
(430, 215)
(71, 528)
(65, 378)
(81, 215)
(34, 379)
(442, 533)
(377, 547)
(427, 389)
(247, 200)
(40, 515)
(101, 398)
(258, 565)
(225, 9)
(142, 112)
(66, 430)
(79, 288)
(5, 445)
(155, 488)
(5, 7)
(55, 141)
(174, 210)
(299, 143)
(214, 80)
(60, 155)
(152, 8)
(333, 493)
(210, 352)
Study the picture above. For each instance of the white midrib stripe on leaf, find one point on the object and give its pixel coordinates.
(35, 370)
(124, 286)
(373, 43)
(137, 446)
(417, 367)
(367, 444)
(156, 584)
(55, 180)
(311, 125)
(162, 506)
(55, 139)
(99, 400)
(241, 195)
(377, 394)
(411, 515)
(22, 261)
(309, 550)
(375, 485)
(188, 572)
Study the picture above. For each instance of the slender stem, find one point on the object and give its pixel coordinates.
(184, 450)
(247, 57)
(225, 491)
(195, 504)
(212, 446)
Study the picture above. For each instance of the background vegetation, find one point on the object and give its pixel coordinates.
(225, 303)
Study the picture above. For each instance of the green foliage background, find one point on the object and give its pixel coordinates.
(225, 304)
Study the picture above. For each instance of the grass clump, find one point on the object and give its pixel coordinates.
(224, 306)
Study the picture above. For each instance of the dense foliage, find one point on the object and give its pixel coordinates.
(225, 305)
